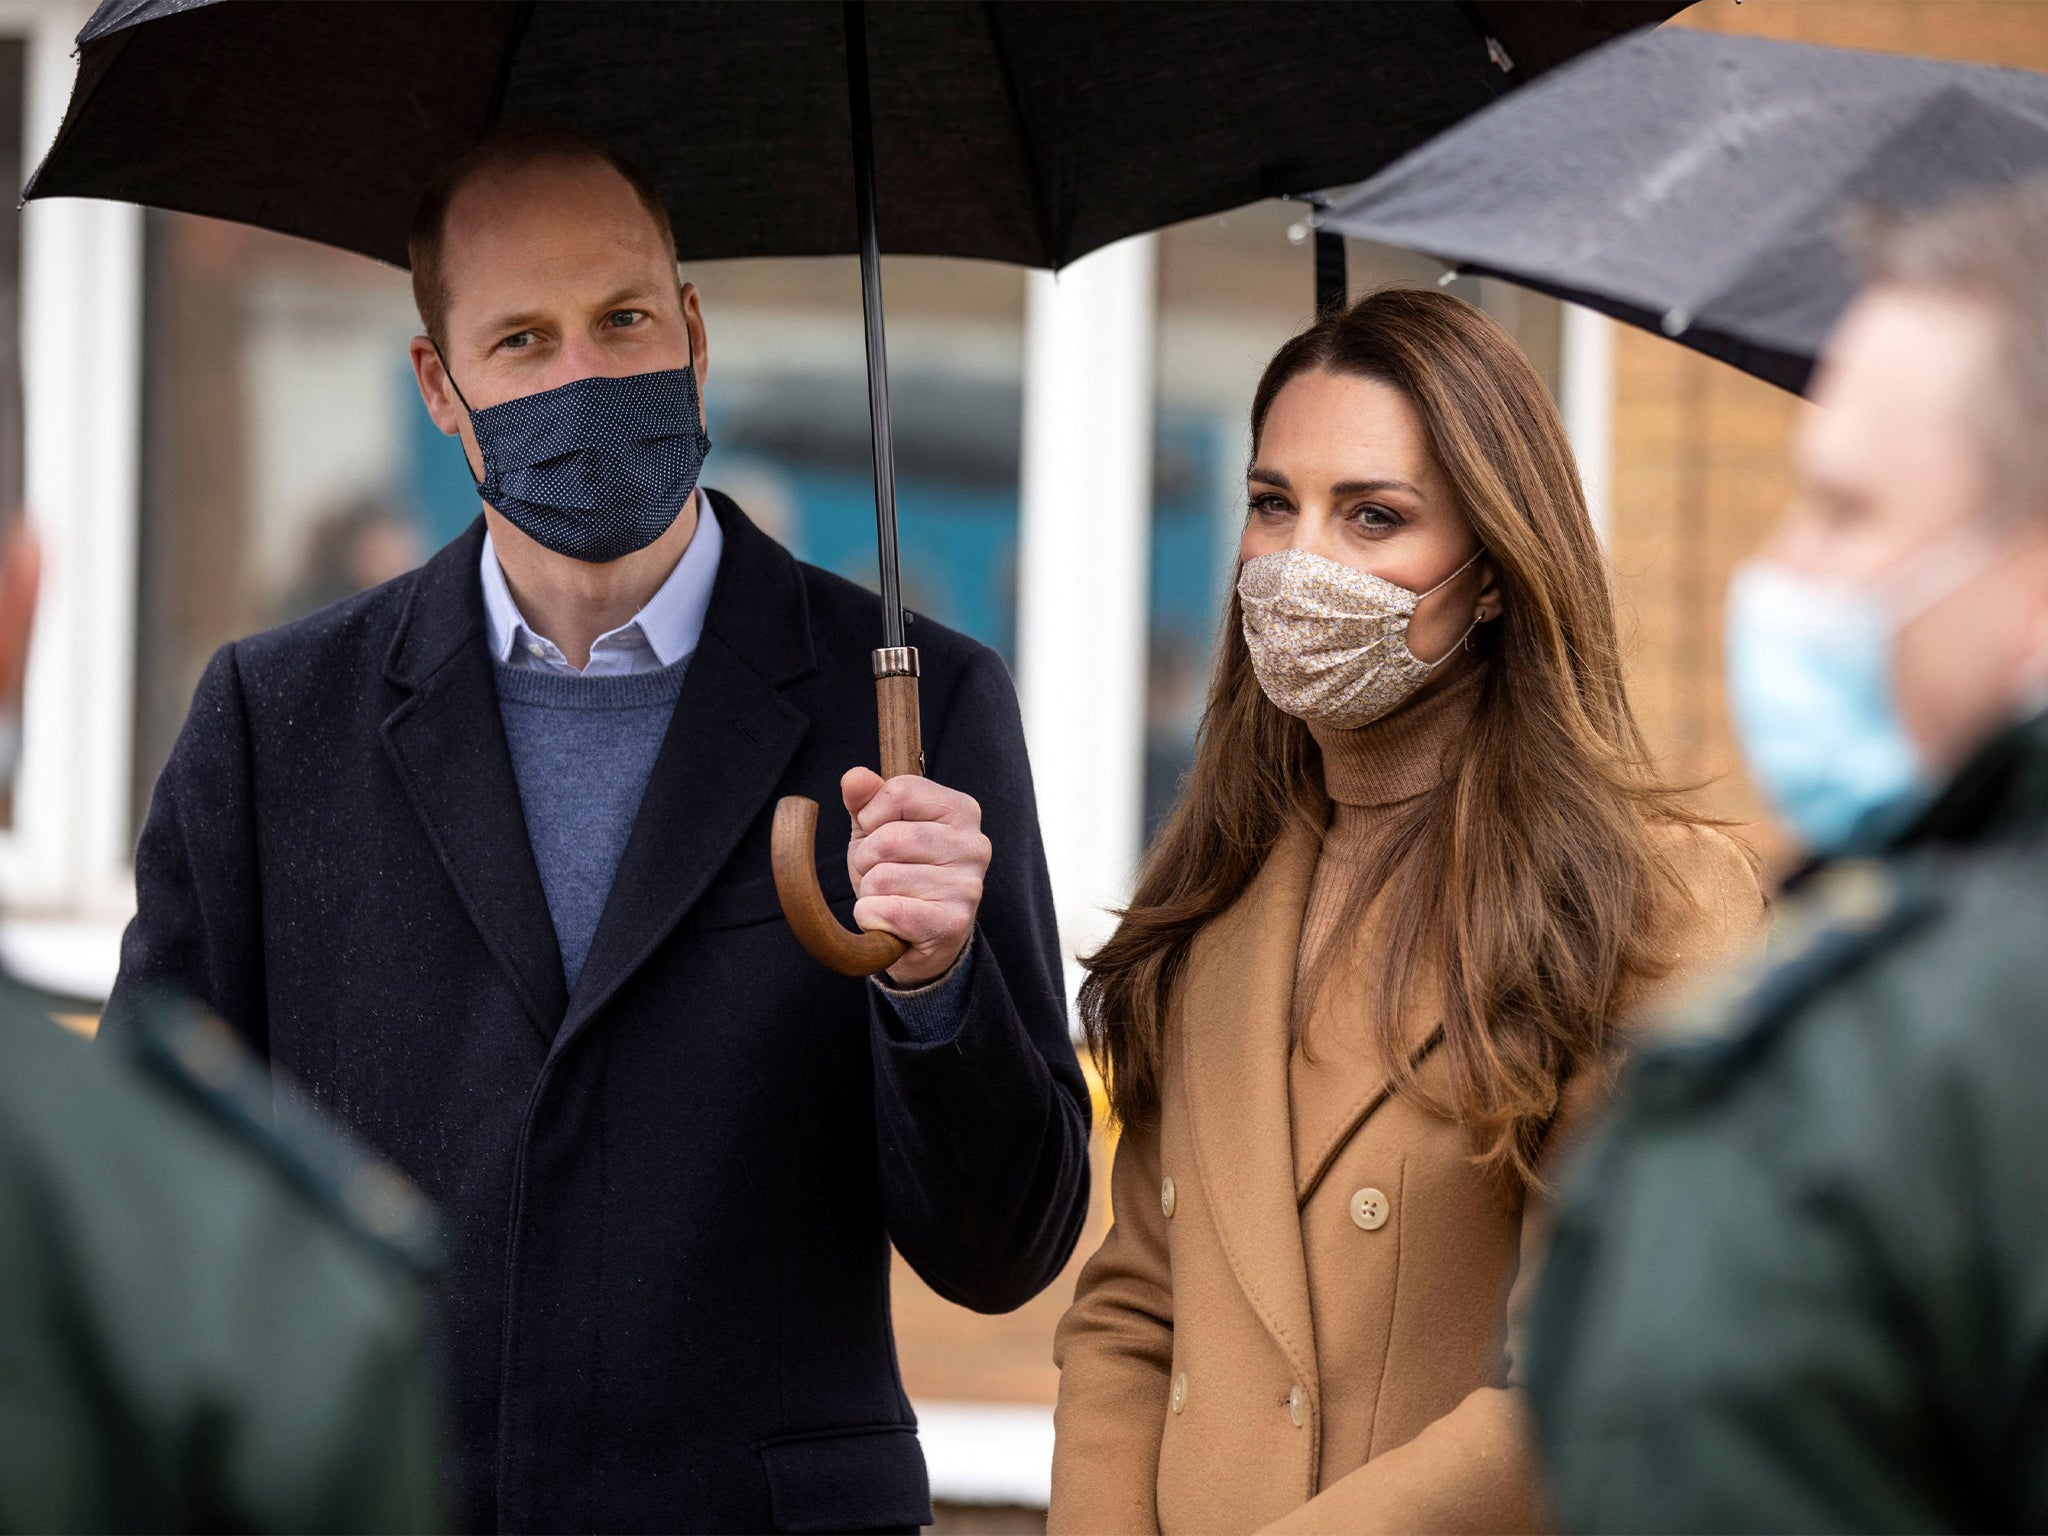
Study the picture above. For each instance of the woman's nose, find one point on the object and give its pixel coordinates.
(1312, 533)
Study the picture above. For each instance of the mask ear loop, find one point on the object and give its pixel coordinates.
(449, 374)
(467, 410)
(1463, 641)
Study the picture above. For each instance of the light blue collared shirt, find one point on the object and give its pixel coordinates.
(660, 634)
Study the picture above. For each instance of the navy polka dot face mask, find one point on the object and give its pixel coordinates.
(595, 469)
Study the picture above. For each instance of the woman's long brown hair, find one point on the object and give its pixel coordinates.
(1529, 879)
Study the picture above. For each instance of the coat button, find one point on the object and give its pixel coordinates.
(1180, 1392)
(1297, 1406)
(1369, 1210)
(1166, 1198)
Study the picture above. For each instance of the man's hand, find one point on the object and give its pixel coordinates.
(917, 859)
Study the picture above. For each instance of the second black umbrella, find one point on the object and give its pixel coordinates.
(1701, 185)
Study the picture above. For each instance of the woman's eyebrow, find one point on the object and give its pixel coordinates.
(1266, 476)
(1372, 487)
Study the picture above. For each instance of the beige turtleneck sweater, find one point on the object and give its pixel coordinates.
(1370, 774)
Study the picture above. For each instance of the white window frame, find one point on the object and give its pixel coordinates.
(66, 864)
(1586, 391)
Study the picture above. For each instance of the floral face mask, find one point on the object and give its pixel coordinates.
(1329, 643)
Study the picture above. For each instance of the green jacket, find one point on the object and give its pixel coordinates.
(211, 1313)
(1801, 1282)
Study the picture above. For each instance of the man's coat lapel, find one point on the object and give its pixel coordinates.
(447, 742)
(732, 736)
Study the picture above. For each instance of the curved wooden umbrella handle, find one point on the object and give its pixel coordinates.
(837, 948)
(795, 835)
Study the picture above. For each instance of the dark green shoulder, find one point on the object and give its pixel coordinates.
(1842, 919)
(183, 1047)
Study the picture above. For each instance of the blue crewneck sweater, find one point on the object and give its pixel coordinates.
(583, 749)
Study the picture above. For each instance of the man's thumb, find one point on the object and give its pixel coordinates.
(857, 788)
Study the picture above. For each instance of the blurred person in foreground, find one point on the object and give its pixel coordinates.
(211, 1308)
(482, 858)
(1370, 983)
(1802, 1284)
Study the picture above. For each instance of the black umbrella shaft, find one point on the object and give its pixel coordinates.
(871, 309)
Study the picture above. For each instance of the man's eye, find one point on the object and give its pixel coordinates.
(519, 341)
(619, 319)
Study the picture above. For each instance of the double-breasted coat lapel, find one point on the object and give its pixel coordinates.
(1238, 992)
(1321, 1139)
(727, 745)
(446, 740)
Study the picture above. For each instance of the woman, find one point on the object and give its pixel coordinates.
(1373, 973)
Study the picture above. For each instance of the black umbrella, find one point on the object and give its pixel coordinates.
(1701, 185)
(1025, 132)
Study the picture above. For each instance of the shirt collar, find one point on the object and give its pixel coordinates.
(669, 624)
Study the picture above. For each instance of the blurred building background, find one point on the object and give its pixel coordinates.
(224, 434)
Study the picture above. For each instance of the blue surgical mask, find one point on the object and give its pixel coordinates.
(1810, 684)
(595, 469)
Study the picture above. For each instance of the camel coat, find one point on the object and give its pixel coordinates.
(1314, 1340)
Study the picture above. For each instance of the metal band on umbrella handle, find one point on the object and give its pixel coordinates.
(795, 833)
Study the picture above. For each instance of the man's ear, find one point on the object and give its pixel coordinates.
(700, 344)
(435, 390)
(21, 577)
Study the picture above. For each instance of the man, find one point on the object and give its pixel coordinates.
(482, 859)
(1803, 1283)
(211, 1314)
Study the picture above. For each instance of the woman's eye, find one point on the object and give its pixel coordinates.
(1270, 505)
(1374, 516)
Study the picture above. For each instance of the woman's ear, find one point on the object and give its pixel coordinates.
(1490, 604)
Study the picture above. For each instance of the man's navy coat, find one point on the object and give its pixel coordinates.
(671, 1194)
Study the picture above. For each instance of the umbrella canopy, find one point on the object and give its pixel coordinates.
(1701, 185)
(1023, 132)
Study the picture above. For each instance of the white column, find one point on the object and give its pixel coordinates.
(1083, 572)
(1587, 387)
(81, 302)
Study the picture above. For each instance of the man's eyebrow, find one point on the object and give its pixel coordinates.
(512, 322)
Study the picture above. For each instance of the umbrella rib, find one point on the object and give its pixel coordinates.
(515, 34)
